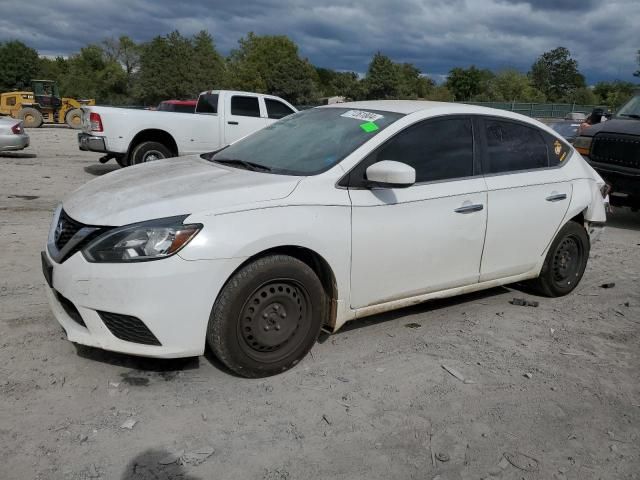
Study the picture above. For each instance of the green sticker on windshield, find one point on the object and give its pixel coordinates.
(369, 127)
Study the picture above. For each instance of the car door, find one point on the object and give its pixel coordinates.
(243, 116)
(427, 237)
(528, 195)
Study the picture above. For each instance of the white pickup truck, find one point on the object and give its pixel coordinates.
(136, 136)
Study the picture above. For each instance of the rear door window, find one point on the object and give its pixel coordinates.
(513, 146)
(207, 103)
(276, 109)
(245, 106)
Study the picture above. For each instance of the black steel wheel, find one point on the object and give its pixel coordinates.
(565, 262)
(267, 317)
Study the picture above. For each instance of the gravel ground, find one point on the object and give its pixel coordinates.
(371, 402)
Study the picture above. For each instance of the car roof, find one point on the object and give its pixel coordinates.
(407, 107)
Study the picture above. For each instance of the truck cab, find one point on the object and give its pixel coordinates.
(612, 148)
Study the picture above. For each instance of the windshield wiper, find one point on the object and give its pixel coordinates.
(630, 115)
(255, 167)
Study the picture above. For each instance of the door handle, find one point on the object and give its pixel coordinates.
(469, 208)
(232, 122)
(556, 197)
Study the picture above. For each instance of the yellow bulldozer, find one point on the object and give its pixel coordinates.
(43, 104)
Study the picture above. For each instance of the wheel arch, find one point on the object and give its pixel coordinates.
(315, 261)
(153, 135)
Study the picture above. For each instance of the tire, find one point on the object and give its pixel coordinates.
(31, 117)
(267, 317)
(73, 118)
(565, 262)
(149, 151)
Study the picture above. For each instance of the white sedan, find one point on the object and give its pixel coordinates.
(12, 135)
(329, 215)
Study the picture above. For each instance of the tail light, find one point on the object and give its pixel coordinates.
(17, 129)
(96, 122)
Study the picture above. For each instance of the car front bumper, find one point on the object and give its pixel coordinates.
(91, 143)
(13, 142)
(172, 298)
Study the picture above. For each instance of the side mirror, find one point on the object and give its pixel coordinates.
(391, 174)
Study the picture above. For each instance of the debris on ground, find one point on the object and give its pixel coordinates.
(326, 418)
(528, 375)
(343, 379)
(412, 325)
(194, 458)
(457, 374)
(442, 457)
(576, 354)
(522, 462)
(608, 285)
(129, 424)
(522, 302)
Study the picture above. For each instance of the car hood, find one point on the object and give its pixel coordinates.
(171, 187)
(629, 126)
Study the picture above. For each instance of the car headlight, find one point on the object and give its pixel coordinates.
(141, 242)
(583, 144)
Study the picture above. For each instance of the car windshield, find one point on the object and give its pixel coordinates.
(631, 108)
(308, 142)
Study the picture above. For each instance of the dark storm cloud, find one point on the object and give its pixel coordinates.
(436, 35)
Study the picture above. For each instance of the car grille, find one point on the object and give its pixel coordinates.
(70, 309)
(128, 328)
(616, 149)
(66, 229)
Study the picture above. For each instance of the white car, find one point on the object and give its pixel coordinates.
(326, 216)
(12, 135)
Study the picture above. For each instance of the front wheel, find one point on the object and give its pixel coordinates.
(565, 262)
(267, 317)
(149, 152)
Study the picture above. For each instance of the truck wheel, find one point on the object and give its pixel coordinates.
(31, 117)
(73, 118)
(565, 262)
(267, 317)
(148, 152)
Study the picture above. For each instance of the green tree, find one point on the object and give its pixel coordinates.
(175, 66)
(440, 93)
(383, 78)
(466, 83)
(125, 52)
(556, 74)
(90, 74)
(346, 84)
(18, 65)
(613, 94)
(271, 63)
(412, 83)
(512, 86)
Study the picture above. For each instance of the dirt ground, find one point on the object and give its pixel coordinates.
(371, 402)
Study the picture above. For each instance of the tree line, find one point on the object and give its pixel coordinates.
(119, 71)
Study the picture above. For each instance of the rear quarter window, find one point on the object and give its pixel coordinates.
(558, 150)
(207, 103)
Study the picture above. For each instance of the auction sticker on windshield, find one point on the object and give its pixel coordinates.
(362, 115)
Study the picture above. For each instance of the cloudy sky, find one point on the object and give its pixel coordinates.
(435, 35)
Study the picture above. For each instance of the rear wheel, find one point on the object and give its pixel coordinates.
(565, 262)
(73, 118)
(267, 317)
(31, 117)
(149, 152)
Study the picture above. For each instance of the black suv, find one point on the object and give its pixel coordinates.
(613, 150)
